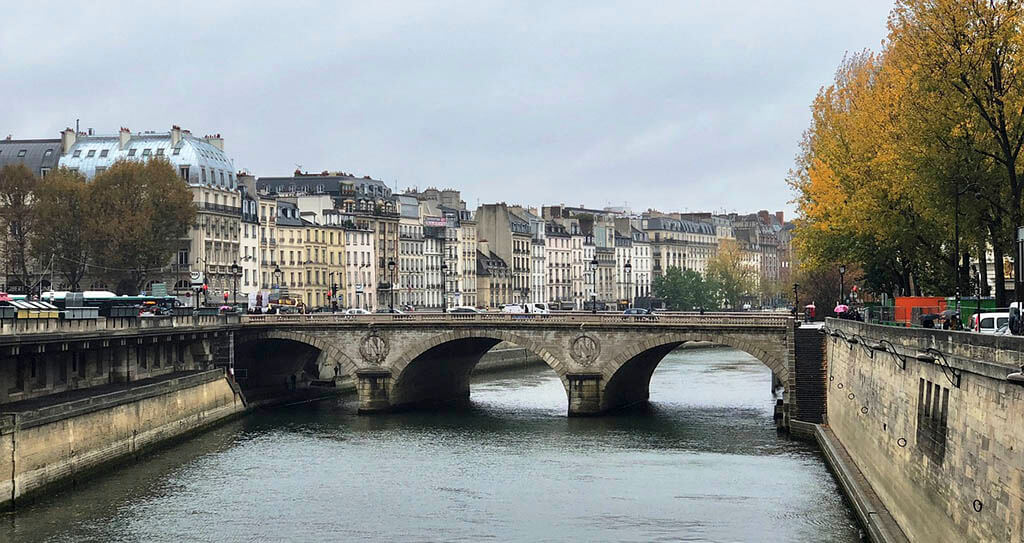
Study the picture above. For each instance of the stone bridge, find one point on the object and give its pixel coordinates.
(605, 361)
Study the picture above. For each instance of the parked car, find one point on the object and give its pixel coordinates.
(990, 322)
(356, 311)
(389, 310)
(464, 309)
(636, 311)
(513, 308)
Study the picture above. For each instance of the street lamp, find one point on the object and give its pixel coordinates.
(236, 271)
(796, 299)
(444, 288)
(593, 286)
(842, 286)
(391, 287)
(629, 284)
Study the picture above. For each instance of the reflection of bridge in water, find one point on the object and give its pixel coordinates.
(604, 361)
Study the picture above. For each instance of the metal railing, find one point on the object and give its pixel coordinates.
(752, 320)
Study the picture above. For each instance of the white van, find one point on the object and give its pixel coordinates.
(990, 322)
(540, 308)
(513, 308)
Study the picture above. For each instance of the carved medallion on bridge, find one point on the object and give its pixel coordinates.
(374, 348)
(584, 349)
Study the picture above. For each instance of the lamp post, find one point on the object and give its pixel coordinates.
(444, 288)
(391, 286)
(842, 286)
(629, 284)
(796, 299)
(236, 271)
(593, 285)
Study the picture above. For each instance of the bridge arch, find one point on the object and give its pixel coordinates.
(415, 370)
(627, 374)
(329, 352)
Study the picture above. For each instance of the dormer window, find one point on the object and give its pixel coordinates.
(104, 153)
(76, 154)
(22, 152)
(160, 151)
(147, 152)
(47, 153)
(177, 151)
(131, 152)
(91, 153)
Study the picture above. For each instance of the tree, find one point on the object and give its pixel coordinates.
(138, 212)
(732, 276)
(61, 203)
(18, 218)
(684, 290)
(971, 54)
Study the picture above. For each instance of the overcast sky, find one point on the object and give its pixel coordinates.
(672, 105)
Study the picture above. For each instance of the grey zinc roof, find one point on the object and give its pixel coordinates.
(38, 154)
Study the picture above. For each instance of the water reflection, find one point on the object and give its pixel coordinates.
(702, 462)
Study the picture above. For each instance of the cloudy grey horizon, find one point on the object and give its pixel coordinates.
(695, 106)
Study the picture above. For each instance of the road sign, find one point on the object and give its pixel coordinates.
(197, 279)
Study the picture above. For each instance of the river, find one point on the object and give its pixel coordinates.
(701, 462)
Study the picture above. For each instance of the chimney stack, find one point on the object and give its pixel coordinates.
(175, 135)
(779, 215)
(216, 141)
(67, 139)
(125, 136)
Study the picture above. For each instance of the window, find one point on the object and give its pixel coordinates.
(177, 151)
(160, 151)
(131, 152)
(47, 153)
(77, 153)
(202, 174)
(100, 169)
(43, 172)
(22, 152)
(183, 172)
(147, 152)
(103, 153)
(222, 178)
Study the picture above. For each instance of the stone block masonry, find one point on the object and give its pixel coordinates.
(931, 421)
(46, 445)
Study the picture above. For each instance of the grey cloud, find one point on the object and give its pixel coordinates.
(696, 105)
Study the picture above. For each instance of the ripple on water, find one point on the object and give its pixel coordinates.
(701, 462)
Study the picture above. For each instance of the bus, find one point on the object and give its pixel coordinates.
(112, 305)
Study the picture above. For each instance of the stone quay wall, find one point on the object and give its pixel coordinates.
(930, 419)
(57, 444)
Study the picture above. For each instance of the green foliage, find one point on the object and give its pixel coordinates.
(684, 290)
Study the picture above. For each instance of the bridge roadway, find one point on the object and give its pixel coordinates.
(604, 360)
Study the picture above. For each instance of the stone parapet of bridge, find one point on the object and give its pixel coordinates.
(605, 361)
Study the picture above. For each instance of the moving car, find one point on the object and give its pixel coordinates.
(389, 310)
(464, 309)
(356, 311)
(636, 311)
(513, 308)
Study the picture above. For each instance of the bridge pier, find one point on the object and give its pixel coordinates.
(372, 386)
(584, 394)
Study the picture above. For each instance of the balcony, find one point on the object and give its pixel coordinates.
(221, 208)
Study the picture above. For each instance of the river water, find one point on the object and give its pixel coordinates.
(701, 463)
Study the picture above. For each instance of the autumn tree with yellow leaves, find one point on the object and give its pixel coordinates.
(901, 136)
